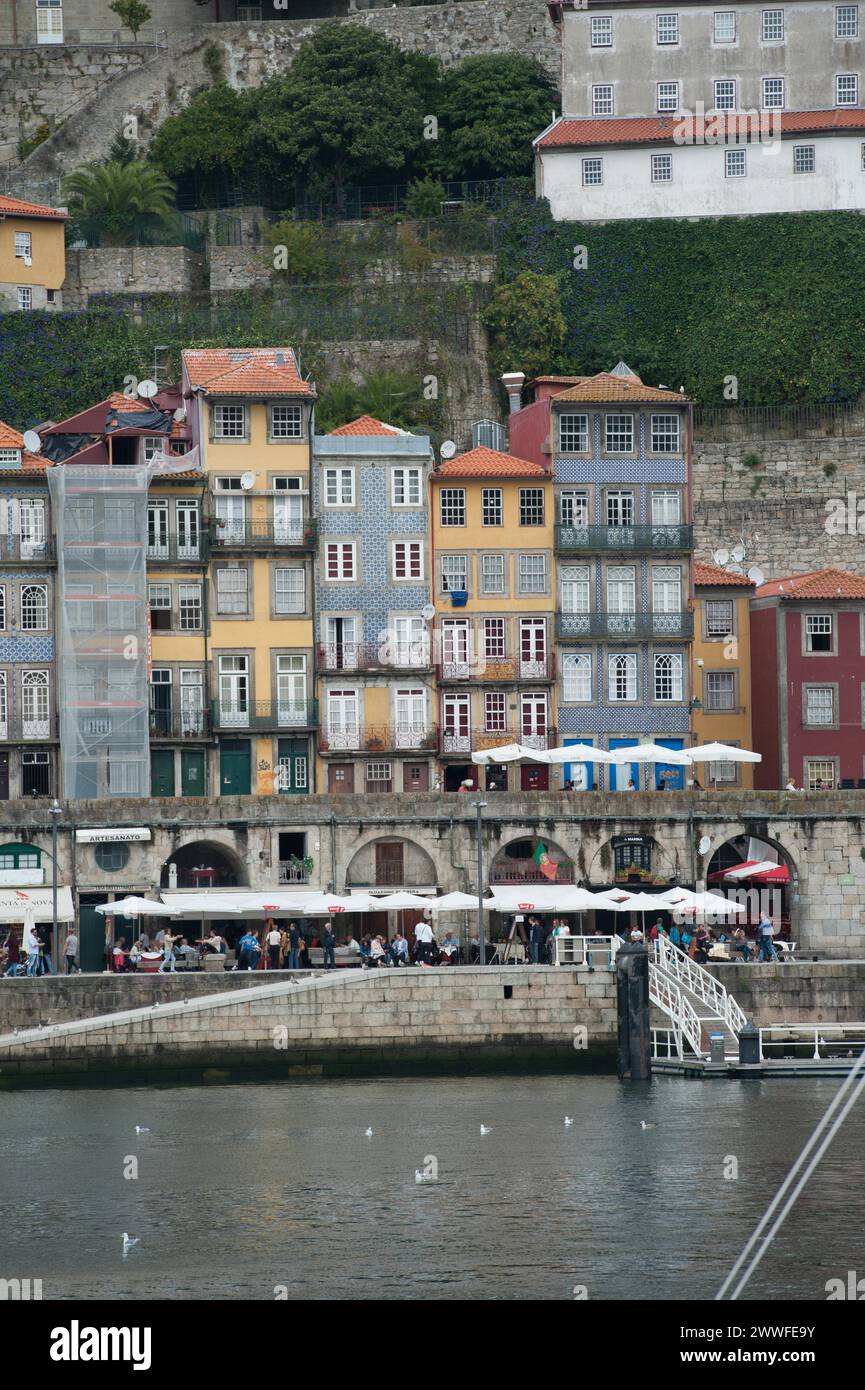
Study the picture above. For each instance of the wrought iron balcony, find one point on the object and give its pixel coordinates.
(466, 741)
(228, 716)
(176, 550)
(499, 669)
(262, 534)
(374, 656)
(379, 738)
(19, 550)
(585, 539)
(290, 872)
(577, 626)
(179, 724)
(527, 871)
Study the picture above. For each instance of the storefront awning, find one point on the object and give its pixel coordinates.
(532, 897)
(15, 904)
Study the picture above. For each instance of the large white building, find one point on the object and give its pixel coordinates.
(695, 111)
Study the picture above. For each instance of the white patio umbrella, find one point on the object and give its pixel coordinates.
(325, 904)
(510, 753)
(399, 901)
(458, 902)
(652, 753)
(715, 906)
(136, 907)
(722, 753)
(579, 753)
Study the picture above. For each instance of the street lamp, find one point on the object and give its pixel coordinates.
(482, 945)
(56, 811)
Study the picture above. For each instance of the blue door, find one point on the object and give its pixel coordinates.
(581, 774)
(674, 777)
(619, 774)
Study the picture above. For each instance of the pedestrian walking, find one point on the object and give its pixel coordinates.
(535, 939)
(169, 959)
(250, 950)
(329, 942)
(293, 946)
(70, 953)
(274, 936)
(764, 935)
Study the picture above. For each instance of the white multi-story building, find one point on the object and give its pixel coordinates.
(692, 110)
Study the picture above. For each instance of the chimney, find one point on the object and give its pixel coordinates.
(513, 384)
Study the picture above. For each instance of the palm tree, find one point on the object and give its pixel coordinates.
(116, 204)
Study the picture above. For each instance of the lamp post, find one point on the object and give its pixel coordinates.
(56, 812)
(482, 945)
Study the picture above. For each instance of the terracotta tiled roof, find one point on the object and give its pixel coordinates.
(708, 576)
(246, 372)
(583, 132)
(557, 380)
(15, 207)
(489, 463)
(366, 425)
(819, 584)
(608, 387)
(11, 439)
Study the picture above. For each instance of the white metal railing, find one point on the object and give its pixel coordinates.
(825, 1035)
(675, 962)
(584, 950)
(665, 993)
(666, 1043)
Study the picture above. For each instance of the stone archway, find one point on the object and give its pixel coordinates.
(777, 898)
(391, 861)
(522, 860)
(203, 864)
(633, 861)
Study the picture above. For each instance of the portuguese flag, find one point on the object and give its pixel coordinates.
(548, 867)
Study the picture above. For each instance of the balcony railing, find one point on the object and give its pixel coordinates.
(292, 873)
(24, 730)
(191, 723)
(499, 669)
(374, 656)
(20, 550)
(581, 625)
(380, 738)
(271, 534)
(477, 740)
(176, 549)
(227, 715)
(527, 871)
(651, 537)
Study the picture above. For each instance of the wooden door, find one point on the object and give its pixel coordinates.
(415, 777)
(389, 868)
(340, 778)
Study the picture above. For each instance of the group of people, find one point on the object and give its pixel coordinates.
(31, 955)
(704, 945)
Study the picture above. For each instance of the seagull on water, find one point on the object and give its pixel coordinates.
(141, 1129)
(568, 1121)
(648, 1124)
(485, 1129)
(128, 1241)
(422, 1177)
(369, 1132)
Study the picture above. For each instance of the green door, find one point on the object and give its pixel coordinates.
(292, 766)
(235, 767)
(162, 772)
(192, 772)
(91, 932)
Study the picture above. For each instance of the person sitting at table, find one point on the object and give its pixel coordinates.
(450, 948)
(377, 953)
(118, 955)
(213, 942)
(399, 950)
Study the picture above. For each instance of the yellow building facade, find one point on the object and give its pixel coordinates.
(722, 709)
(492, 537)
(32, 255)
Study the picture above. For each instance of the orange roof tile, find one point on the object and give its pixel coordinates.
(16, 207)
(246, 372)
(607, 386)
(582, 132)
(11, 439)
(366, 425)
(818, 584)
(708, 576)
(489, 463)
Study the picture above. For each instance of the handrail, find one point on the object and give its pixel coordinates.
(665, 993)
(676, 962)
(577, 949)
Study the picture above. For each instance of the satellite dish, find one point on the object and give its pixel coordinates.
(147, 389)
(738, 553)
(428, 612)
(705, 844)
(448, 449)
(756, 575)
(247, 480)
(32, 442)
(721, 557)
(180, 414)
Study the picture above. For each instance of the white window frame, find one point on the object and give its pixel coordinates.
(338, 488)
(730, 99)
(452, 507)
(345, 553)
(619, 425)
(602, 99)
(573, 433)
(235, 415)
(810, 159)
(717, 627)
(668, 669)
(492, 507)
(39, 609)
(668, 96)
(852, 11)
(412, 551)
(190, 607)
(601, 31)
(766, 104)
(409, 481)
(593, 165)
(496, 589)
(716, 37)
(627, 665)
(285, 594)
(768, 24)
(23, 245)
(847, 77)
(280, 415)
(577, 686)
(719, 685)
(671, 36)
(531, 569)
(665, 507)
(25, 298)
(444, 563)
(815, 780)
(733, 158)
(229, 595)
(661, 162)
(660, 433)
(531, 508)
(808, 712)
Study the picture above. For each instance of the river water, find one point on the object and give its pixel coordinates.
(244, 1190)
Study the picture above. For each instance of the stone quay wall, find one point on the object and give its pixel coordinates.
(131, 270)
(351, 1022)
(808, 992)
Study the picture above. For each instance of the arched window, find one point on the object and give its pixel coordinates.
(34, 704)
(34, 607)
(577, 676)
(623, 676)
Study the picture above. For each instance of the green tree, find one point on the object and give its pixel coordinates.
(207, 135)
(492, 108)
(350, 108)
(394, 397)
(424, 198)
(132, 14)
(297, 250)
(526, 325)
(121, 150)
(119, 204)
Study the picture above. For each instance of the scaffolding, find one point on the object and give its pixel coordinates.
(100, 518)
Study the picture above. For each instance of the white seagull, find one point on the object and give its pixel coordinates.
(568, 1121)
(369, 1132)
(128, 1241)
(422, 1177)
(648, 1124)
(485, 1129)
(141, 1129)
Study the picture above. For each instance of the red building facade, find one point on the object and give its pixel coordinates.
(808, 680)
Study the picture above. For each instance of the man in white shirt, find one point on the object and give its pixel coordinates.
(274, 936)
(32, 945)
(424, 941)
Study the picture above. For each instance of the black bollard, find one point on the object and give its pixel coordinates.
(632, 997)
(749, 1046)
